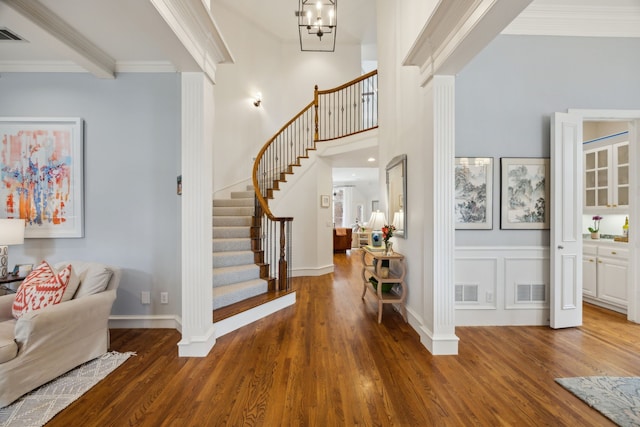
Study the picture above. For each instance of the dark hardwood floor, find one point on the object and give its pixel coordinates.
(327, 362)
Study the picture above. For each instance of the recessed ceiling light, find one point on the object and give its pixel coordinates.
(371, 159)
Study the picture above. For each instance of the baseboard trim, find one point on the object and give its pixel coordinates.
(232, 323)
(169, 321)
(438, 345)
(320, 271)
(197, 346)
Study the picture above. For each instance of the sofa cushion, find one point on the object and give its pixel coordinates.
(74, 282)
(8, 345)
(44, 286)
(94, 278)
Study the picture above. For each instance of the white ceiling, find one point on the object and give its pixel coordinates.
(132, 36)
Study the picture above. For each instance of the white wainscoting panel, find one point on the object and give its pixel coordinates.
(513, 285)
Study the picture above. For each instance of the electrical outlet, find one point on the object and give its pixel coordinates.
(489, 296)
(145, 297)
(164, 297)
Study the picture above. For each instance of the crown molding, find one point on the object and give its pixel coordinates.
(605, 20)
(83, 52)
(457, 31)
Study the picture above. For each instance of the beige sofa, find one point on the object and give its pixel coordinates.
(44, 344)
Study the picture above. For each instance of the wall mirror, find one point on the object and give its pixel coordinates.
(397, 194)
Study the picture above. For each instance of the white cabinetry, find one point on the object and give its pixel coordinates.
(605, 275)
(606, 180)
(589, 270)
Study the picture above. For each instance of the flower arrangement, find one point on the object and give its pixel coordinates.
(596, 224)
(387, 232)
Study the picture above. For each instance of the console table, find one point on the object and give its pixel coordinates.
(4, 282)
(373, 269)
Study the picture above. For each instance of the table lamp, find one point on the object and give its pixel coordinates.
(376, 222)
(398, 220)
(11, 233)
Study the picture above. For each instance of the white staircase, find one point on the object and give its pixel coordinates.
(235, 275)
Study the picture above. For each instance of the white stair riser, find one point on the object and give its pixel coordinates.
(230, 294)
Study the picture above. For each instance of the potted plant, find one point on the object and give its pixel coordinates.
(595, 230)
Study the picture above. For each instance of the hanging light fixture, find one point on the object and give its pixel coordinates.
(317, 25)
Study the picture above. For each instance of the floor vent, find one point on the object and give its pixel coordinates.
(7, 34)
(531, 293)
(466, 293)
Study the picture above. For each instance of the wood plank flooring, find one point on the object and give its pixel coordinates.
(327, 362)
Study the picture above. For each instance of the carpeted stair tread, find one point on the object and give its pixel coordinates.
(250, 194)
(238, 273)
(225, 245)
(231, 258)
(233, 203)
(230, 294)
(232, 221)
(233, 211)
(231, 232)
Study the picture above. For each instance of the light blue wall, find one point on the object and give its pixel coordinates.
(131, 160)
(505, 96)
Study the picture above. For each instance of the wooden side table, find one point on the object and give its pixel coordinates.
(374, 270)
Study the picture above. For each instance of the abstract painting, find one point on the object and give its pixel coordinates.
(525, 193)
(473, 193)
(41, 174)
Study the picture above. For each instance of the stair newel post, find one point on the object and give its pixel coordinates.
(316, 135)
(282, 264)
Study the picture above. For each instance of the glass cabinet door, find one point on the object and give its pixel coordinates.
(621, 162)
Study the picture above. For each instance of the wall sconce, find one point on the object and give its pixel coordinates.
(257, 100)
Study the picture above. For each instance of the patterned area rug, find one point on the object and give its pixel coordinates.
(618, 398)
(39, 406)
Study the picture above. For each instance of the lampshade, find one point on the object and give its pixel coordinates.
(398, 220)
(11, 232)
(377, 220)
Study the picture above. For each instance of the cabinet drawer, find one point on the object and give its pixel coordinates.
(613, 252)
(589, 249)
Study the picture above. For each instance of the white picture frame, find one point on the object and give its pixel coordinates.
(524, 198)
(325, 201)
(41, 169)
(474, 193)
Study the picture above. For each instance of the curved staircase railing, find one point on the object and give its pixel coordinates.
(335, 113)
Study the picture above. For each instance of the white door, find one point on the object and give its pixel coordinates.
(566, 221)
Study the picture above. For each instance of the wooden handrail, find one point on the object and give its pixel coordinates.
(346, 85)
(348, 109)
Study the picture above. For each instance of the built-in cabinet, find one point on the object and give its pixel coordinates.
(605, 271)
(606, 182)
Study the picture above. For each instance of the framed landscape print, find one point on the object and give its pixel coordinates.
(41, 172)
(524, 193)
(473, 193)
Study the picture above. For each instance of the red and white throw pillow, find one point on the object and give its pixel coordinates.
(41, 288)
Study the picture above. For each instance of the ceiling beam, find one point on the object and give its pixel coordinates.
(81, 50)
(457, 31)
(192, 23)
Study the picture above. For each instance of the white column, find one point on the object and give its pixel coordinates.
(198, 335)
(440, 232)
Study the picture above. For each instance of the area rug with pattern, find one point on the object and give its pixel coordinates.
(617, 398)
(40, 405)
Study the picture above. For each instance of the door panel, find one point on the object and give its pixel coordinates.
(566, 214)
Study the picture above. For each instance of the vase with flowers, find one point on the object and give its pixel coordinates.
(595, 230)
(387, 233)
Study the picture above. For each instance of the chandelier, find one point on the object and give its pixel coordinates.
(317, 25)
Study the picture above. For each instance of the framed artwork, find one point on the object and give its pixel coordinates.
(41, 167)
(325, 201)
(474, 193)
(524, 193)
(375, 205)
